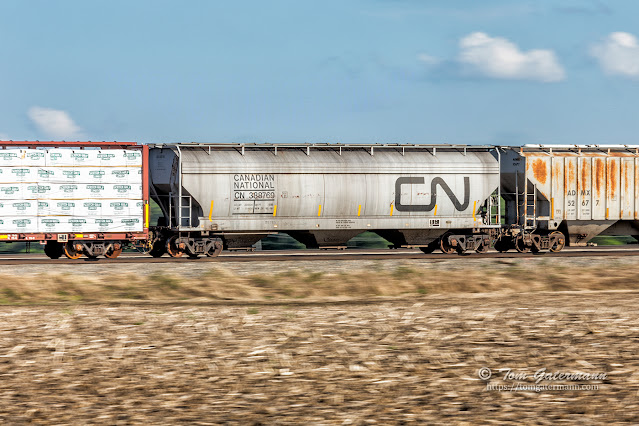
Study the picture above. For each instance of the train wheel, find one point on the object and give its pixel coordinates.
(502, 244)
(158, 249)
(172, 249)
(427, 249)
(521, 246)
(53, 249)
(560, 242)
(112, 253)
(431, 247)
(71, 252)
(215, 250)
(482, 248)
(445, 246)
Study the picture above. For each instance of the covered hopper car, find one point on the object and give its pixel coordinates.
(556, 195)
(225, 195)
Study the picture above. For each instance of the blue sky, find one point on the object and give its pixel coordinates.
(504, 72)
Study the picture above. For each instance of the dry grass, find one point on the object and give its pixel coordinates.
(382, 280)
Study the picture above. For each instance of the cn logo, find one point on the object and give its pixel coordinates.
(433, 190)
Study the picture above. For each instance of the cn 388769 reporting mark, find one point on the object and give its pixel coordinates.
(253, 193)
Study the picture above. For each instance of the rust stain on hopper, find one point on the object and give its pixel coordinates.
(571, 174)
(626, 178)
(612, 174)
(584, 175)
(556, 169)
(539, 170)
(599, 175)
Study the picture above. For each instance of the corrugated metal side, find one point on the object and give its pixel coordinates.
(587, 186)
(352, 185)
(557, 198)
(571, 166)
(598, 188)
(612, 188)
(584, 189)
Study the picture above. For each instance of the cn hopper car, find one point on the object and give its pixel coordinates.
(92, 198)
(216, 196)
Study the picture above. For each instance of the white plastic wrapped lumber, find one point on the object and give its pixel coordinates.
(12, 191)
(74, 224)
(16, 157)
(89, 208)
(65, 191)
(59, 207)
(132, 157)
(123, 190)
(115, 224)
(71, 174)
(57, 157)
(18, 174)
(18, 208)
(33, 191)
(120, 157)
(10, 157)
(108, 190)
(114, 208)
(33, 157)
(18, 224)
(53, 224)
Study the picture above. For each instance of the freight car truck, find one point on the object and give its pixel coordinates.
(232, 195)
(76, 198)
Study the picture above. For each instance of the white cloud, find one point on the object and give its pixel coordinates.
(55, 124)
(428, 59)
(500, 58)
(618, 54)
(4, 137)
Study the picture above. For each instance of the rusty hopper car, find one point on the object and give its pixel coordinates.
(76, 198)
(233, 195)
(578, 192)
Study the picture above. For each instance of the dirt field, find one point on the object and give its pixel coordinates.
(405, 361)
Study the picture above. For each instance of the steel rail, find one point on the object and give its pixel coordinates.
(319, 255)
